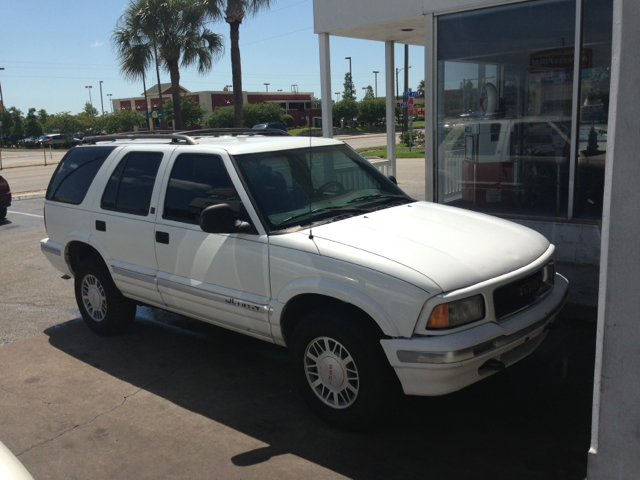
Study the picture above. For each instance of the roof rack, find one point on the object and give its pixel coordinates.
(175, 138)
(236, 131)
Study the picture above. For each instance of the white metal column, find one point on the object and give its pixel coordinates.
(389, 72)
(575, 110)
(614, 453)
(430, 117)
(325, 85)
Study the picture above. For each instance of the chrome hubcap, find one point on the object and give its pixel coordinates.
(331, 372)
(94, 298)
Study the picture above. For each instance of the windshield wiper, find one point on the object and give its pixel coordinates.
(325, 210)
(376, 196)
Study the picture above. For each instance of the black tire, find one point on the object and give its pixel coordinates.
(3, 213)
(104, 309)
(353, 401)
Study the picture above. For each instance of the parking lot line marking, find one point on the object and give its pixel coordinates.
(29, 214)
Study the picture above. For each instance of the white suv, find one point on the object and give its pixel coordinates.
(303, 243)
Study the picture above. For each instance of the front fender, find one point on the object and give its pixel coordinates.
(339, 291)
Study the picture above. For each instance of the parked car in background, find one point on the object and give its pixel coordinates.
(5, 197)
(264, 126)
(51, 138)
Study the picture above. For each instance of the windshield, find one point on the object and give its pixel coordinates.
(297, 188)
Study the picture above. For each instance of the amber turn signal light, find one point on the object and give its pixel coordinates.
(439, 317)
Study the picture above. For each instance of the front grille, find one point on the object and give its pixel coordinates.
(523, 293)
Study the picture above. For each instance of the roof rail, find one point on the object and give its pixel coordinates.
(175, 138)
(235, 131)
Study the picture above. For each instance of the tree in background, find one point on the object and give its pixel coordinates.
(371, 111)
(221, 117)
(369, 94)
(177, 29)
(124, 121)
(192, 112)
(346, 108)
(32, 127)
(253, 114)
(42, 117)
(7, 122)
(234, 12)
(90, 110)
(62, 122)
(349, 87)
(17, 123)
(421, 88)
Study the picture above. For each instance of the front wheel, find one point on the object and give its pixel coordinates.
(340, 369)
(102, 306)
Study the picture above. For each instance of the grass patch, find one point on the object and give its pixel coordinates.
(401, 152)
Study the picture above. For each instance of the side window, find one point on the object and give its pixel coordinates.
(197, 182)
(131, 184)
(74, 174)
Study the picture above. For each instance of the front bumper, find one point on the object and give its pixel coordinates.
(442, 364)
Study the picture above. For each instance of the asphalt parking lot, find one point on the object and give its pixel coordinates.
(174, 398)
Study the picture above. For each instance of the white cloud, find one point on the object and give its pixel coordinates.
(97, 44)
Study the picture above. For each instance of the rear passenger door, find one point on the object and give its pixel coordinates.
(123, 216)
(220, 278)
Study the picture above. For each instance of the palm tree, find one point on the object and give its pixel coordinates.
(421, 88)
(173, 30)
(234, 13)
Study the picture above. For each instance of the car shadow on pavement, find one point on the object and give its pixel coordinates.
(530, 421)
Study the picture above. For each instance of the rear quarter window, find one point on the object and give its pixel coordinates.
(74, 174)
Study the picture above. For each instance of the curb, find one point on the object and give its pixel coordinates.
(29, 196)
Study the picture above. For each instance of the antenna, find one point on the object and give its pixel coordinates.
(310, 184)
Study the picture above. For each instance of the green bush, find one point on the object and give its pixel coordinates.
(418, 138)
(371, 110)
(253, 114)
(221, 117)
(288, 121)
(347, 109)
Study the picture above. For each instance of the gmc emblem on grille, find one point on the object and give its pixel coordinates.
(530, 287)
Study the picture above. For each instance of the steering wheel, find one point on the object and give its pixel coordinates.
(333, 183)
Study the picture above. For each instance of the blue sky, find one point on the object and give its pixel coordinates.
(51, 50)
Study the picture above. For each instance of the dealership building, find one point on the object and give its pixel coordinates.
(530, 115)
(297, 104)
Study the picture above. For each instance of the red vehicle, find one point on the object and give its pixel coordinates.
(5, 197)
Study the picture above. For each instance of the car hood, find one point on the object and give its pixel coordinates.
(453, 247)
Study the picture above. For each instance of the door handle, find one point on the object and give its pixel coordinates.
(101, 226)
(162, 237)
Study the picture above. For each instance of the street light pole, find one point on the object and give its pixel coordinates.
(376, 72)
(1, 101)
(110, 100)
(89, 87)
(350, 76)
(101, 102)
(267, 85)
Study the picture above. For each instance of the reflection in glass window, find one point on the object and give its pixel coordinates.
(505, 80)
(197, 182)
(594, 92)
(131, 184)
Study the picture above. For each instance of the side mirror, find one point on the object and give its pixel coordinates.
(393, 179)
(219, 219)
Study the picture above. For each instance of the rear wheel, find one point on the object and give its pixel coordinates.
(104, 309)
(3, 212)
(340, 369)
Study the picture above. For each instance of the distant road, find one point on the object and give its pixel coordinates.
(36, 178)
(24, 158)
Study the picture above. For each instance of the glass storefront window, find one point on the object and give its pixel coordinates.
(597, 24)
(505, 82)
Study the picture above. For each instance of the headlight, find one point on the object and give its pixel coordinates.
(454, 314)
